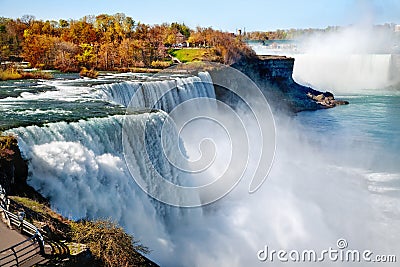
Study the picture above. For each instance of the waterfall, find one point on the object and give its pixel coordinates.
(164, 95)
(82, 166)
(84, 160)
(344, 73)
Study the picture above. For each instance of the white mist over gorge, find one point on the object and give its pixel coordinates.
(354, 58)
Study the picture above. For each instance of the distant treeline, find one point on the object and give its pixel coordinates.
(291, 34)
(108, 42)
(285, 34)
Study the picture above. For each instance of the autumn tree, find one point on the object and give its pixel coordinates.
(129, 53)
(4, 44)
(66, 57)
(27, 19)
(63, 23)
(182, 28)
(80, 32)
(39, 50)
(107, 56)
(86, 56)
(11, 37)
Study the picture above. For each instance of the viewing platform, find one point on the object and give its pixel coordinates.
(16, 248)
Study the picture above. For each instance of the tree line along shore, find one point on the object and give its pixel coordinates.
(110, 42)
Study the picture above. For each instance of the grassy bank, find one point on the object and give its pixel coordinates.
(189, 54)
(13, 74)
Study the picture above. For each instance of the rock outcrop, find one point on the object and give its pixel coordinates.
(273, 75)
(14, 170)
(326, 99)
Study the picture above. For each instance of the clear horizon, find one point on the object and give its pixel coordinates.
(254, 15)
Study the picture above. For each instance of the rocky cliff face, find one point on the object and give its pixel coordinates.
(273, 75)
(274, 67)
(14, 170)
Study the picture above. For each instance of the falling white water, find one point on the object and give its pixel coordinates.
(170, 92)
(80, 167)
(344, 73)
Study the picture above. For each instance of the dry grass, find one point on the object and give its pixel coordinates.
(14, 74)
(39, 208)
(109, 243)
(9, 74)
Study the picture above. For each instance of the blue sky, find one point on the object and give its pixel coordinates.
(220, 14)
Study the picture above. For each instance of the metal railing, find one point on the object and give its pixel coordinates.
(23, 251)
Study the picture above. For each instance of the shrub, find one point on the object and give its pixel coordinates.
(88, 73)
(109, 243)
(7, 146)
(36, 75)
(161, 64)
(9, 74)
